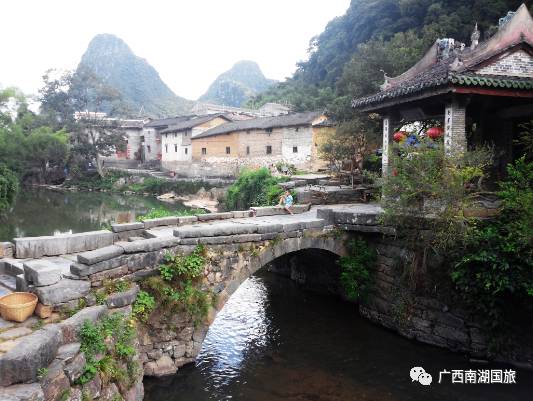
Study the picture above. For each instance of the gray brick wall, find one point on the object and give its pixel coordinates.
(518, 63)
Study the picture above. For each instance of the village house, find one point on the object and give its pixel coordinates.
(176, 145)
(132, 129)
(292, 138)
(480, 94)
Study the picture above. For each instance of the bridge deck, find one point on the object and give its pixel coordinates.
(285, 220)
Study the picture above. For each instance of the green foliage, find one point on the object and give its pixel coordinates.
(143, 306)
(158, 213)
(254, 188)
(151, 185)
(8, 188)
(494, 268)
(112, 337)
(178, 287)
(355, 269)
(41, 373)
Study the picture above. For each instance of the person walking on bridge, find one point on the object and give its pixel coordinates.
(286, 200)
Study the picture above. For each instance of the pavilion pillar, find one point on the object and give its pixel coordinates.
(388, 127)
(455, 129)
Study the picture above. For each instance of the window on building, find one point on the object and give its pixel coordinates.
(185, 134)
(204, 151)
(186, 150)
(228, 150)
(269, 150)
(247, 150)
(176, 148)
(269, 130)
(297, 129)
(148, 148)
(295, 149)
(166, 148)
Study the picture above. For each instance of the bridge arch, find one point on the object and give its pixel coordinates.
(247, 265)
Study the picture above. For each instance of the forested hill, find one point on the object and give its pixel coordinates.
(345, 60)
(235, 86)
(139, 85)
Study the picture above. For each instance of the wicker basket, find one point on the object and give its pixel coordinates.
(18, 306)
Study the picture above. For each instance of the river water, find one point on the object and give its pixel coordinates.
(275, 342)
(46, 212)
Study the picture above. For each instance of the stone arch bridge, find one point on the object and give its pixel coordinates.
(67, 271)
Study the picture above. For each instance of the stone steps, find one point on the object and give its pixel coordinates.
(8, 282)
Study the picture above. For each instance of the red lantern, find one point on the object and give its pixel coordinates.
(399, 136)
(435, 132)
(394, 172)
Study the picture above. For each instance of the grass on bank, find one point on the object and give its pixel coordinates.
(120, 182)
(160, 212)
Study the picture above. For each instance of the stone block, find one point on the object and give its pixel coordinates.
(82, 270)
(41, 272)
(71, 326)
(75, 367)
(150, 244)
(214, 230)
(185, 220)
(110, 393)
(230, 239)
(240, 214)
(269, 228)
(68, 351)
(163, 221)
(13, 267)
(22, 392)
(6, 250)
(21, 364)
(109, 274)
(36, 247)
(8, 345)
(63, 291)
(117, 228)
(21, 283)
(162, 367)
(55, 383)
(16, 332)
(43, 311)
(93, 388)
(215, 216)
(101, 254)
(121, 299)
(278, 210)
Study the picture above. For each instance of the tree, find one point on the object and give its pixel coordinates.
(47, 148)
(73, 101)
(8, 187)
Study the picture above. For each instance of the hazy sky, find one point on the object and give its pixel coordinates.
(188, 42)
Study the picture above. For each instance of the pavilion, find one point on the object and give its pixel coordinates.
(481, 93)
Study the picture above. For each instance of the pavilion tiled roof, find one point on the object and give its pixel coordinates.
(441, 71)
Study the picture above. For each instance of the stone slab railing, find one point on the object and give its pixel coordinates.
(53, 245)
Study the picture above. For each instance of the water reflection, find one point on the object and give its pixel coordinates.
(275, 342)
(46, 212)
(242, 331)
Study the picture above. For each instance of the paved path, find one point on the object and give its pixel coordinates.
(287, 219)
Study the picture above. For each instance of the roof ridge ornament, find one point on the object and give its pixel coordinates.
(386, 84)
(474, 38)
(504, 20)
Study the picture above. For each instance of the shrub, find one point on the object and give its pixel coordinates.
(177, 288)
(254, 188)
(355, 269)
(9, 187)
(143, 306)
(160, 212)
(494, 268)
(114, 337)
